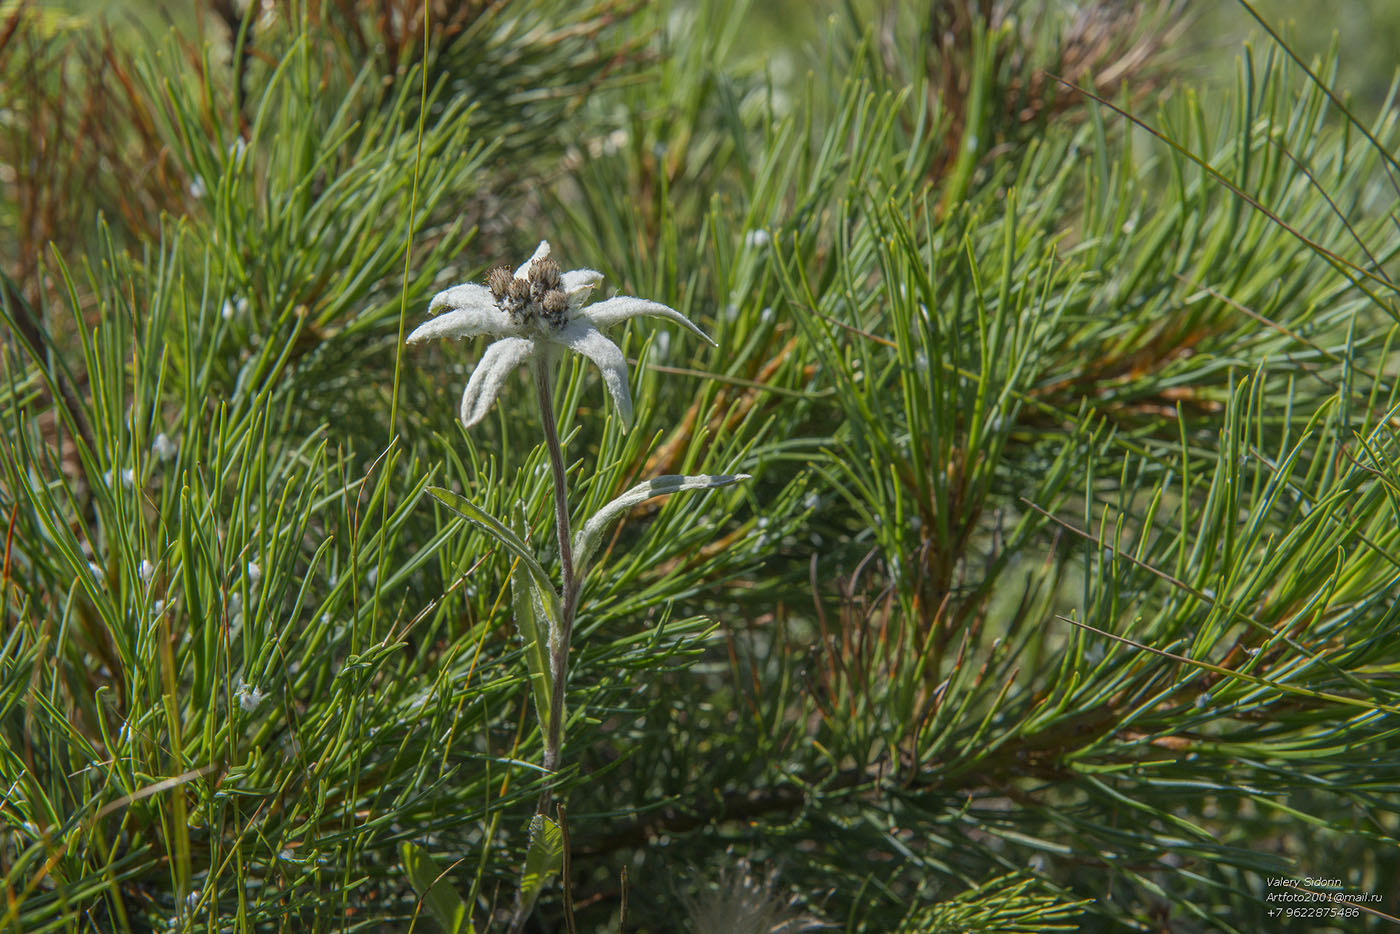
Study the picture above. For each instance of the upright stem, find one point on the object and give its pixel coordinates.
(559, 639)
(559, 649)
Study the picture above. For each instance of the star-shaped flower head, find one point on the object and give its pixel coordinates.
(533, 312)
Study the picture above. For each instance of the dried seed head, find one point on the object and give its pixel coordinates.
(555, 302)
(498, 281)
(545, 275)
(519, 290)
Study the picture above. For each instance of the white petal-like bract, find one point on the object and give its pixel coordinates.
(541, 252)
(469, 312)
(490, 375)
(579, 284)
(582, 337)
(614, 310)
(467, 295)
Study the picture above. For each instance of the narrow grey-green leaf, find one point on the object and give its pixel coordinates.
(542, 861)
(523, 598)
(493, 526)
(586, 542)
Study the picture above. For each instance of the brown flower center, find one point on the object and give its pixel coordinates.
(538, 297)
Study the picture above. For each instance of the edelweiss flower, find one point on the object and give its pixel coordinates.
(533, 313)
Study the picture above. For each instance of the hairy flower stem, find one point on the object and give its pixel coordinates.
(559, 648)
(559, 641)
